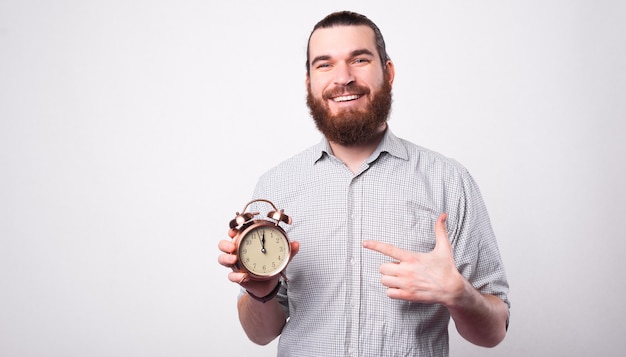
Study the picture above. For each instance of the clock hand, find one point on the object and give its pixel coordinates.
(263, 243)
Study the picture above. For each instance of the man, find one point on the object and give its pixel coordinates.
(389, 239)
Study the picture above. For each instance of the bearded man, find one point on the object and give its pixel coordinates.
(390, 240)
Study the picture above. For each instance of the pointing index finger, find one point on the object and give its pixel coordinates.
(386, 249)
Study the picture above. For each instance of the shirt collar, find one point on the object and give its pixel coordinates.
(390, 144)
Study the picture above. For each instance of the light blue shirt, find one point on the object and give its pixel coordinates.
(335, 301)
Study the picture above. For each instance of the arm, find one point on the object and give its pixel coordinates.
(262, 322)
(479, 318)
(433, 278)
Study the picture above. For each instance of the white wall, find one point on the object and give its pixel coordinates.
(123, 125)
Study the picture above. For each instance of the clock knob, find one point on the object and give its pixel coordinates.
(279, 216)
(241, 218)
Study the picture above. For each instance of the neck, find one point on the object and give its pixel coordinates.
(354, 155)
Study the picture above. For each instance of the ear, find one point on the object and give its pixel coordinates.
(307, 81)
(391, 71)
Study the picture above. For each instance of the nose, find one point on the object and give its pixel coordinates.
(343, 74)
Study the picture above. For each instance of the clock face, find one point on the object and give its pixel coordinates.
(264, 251)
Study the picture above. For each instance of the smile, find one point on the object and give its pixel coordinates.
(346, 98)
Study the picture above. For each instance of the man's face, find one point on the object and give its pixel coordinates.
(349, 93)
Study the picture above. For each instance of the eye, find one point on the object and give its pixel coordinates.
(323, 65)
(361, 60)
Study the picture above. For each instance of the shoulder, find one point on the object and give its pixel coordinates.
(286, 176)
(428, 160)
(294, 164)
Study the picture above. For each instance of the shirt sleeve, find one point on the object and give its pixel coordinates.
(476, 251)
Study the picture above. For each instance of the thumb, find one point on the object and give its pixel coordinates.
(295, 247)
(441, 233)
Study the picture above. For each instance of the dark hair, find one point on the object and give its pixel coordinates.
(349, 18)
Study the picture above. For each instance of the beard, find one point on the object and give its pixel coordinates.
(351, 127)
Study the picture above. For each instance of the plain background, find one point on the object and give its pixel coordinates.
(132, 131)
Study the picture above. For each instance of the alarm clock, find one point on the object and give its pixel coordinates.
(261, 245)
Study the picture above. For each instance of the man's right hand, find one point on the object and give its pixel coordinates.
(228, 259)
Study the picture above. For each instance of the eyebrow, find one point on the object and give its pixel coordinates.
(354, 53)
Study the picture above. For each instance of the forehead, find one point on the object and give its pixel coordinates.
(341, 40)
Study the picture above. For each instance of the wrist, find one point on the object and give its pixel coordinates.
(267, 297)
(462, 296)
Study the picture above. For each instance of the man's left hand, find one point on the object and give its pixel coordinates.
(421, 277)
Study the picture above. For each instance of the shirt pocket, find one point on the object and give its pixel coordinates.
(409, 226)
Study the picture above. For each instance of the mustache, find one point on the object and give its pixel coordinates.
(351, 88)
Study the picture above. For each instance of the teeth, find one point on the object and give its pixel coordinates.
(345, 98)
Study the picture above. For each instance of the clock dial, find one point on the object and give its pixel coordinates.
(264, 251)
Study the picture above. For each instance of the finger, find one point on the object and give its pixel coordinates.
(226, 246)
(232, 232)
(244, 279)
(389, 269)
(227, 260)
(295, 248)
(441, 233)
(386, 249)
(239, 278)
(391, 282)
